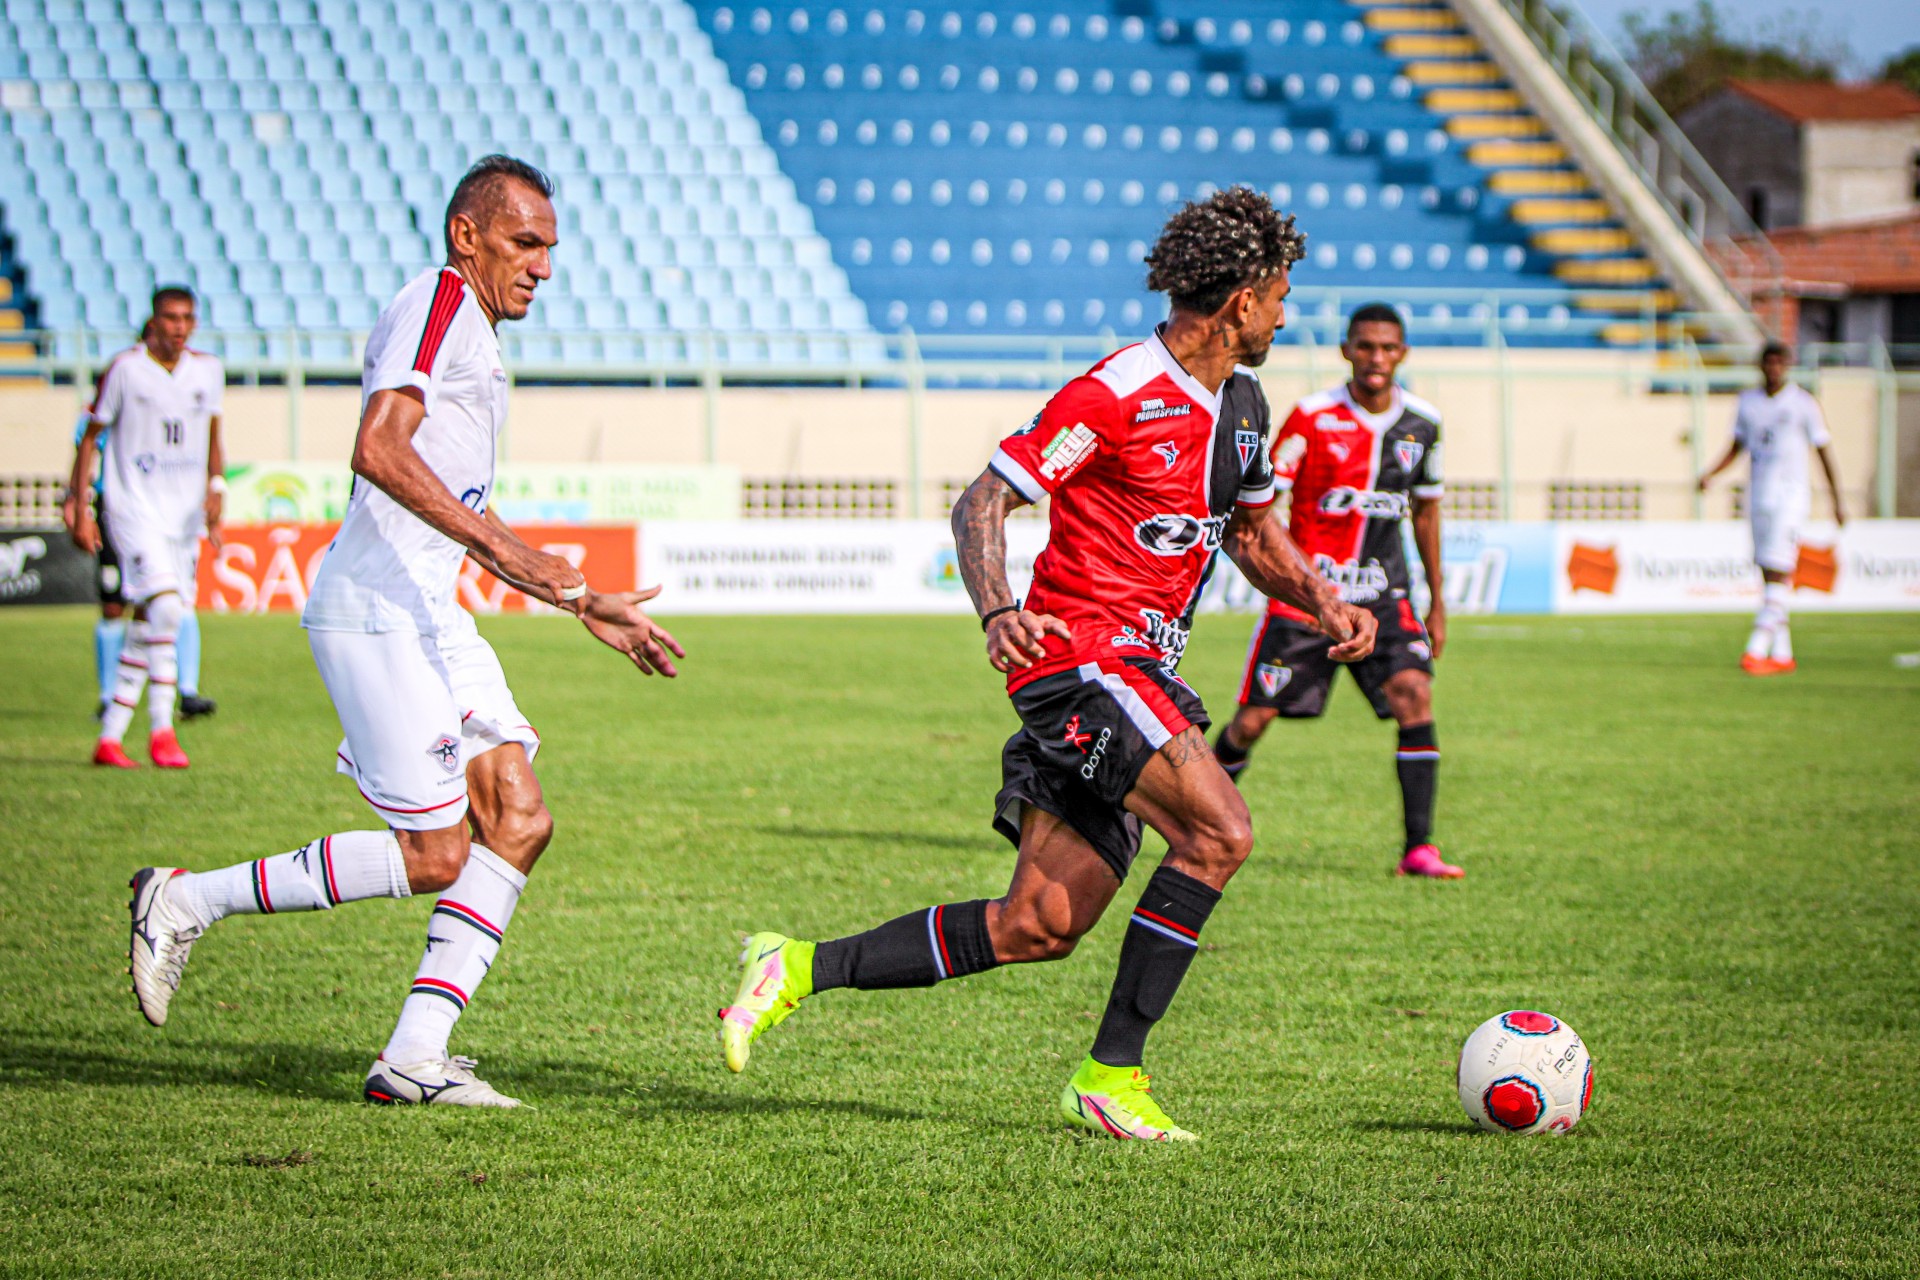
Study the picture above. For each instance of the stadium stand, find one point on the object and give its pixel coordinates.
(291, 160)
(986, 167)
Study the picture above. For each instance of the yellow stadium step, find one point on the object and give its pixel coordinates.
(12, 320)
(1400, 18)
(1513, 153)
(1443, 73)
(1571, 241)
(1426, 46)
(1477, 127)
(17, 353)
(1542, 211)
(1448, 101)
(1661, 333)
(1626, 301)
(1539, 182)
(6, 290)
(1604, 271)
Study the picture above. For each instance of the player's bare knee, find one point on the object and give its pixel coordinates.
(1215, 849)
(434, 858)
(1025, 935)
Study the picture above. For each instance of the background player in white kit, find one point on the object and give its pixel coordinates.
(1778, 424)
(433, 738)
(163, 480)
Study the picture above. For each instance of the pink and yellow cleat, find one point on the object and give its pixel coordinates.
(1425, 860)
(776, 974)
(164, 747)
(1117, 1102)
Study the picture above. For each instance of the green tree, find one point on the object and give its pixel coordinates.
(1903, 69)
(1685, 55)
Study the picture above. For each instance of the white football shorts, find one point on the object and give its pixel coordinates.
(415, 710)
(1776, 537)
(154, 560)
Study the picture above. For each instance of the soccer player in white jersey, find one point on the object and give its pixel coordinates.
(433, 738)
(163, 480)
(1777, 424)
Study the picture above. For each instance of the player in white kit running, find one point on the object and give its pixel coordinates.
(1778, 424)
(163, 480)
(433, 738)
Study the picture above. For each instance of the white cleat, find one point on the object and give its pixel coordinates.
(162, 937)
(448, 1082)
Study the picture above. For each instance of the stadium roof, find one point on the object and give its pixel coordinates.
(1804, 101)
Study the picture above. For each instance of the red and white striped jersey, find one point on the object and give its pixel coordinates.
(1354, 476)
(1145, 467)
(387, 569)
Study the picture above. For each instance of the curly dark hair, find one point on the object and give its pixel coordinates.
(1232, 239)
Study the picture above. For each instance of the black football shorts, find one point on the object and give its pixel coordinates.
(1085, 736)
(1288, 668)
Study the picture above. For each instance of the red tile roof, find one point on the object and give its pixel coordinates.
(1803, 101)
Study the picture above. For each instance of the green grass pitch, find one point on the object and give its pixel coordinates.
(1715, 879)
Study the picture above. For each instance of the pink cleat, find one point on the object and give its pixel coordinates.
(112, 754)
(1424, 860)
(165, 750)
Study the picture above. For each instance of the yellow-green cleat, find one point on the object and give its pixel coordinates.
(776, 974)
(1117, 1102)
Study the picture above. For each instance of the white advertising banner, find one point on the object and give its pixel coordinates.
(1707, 566)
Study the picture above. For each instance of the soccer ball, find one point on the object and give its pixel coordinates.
(1525, 1072)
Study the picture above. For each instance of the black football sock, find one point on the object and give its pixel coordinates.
(1418, 762)
(1233, 759)
(1161, 940)
(915, 950)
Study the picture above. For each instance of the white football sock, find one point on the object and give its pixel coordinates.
(1770, 618)
(314, 877)
(1783, 643)
(164, 613)
(463, 937)
(130, 678)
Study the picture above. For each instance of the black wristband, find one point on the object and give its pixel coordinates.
(991, 614)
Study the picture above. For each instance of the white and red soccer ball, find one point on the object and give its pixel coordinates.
(1525, 1072)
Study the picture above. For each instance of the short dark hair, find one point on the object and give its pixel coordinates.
(170, 293)
(476, 189)
(1214, 247)
(1377, 313)
(1773, 349)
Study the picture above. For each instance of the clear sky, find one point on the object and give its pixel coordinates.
(1872, 29)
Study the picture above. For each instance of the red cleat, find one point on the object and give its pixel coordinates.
(1781, 666)
(112, 754)
(1755, 666)
(1424, 860)
(165, 750)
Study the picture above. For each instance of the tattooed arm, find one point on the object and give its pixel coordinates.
(1014, 638)
(1261, 546)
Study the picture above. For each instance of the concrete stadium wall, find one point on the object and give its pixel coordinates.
(1561, 416)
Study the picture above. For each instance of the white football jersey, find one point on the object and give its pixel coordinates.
(387, 569)
(1779, 431)
(155, 475)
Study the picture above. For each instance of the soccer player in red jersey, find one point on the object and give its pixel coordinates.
(1154, 458)
(1360, 460)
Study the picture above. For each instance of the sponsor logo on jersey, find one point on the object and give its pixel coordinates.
(1272, 677)
(500, 375)
(1420, 649)
(1357, 583)
(1375, 504)
(1290, 451)
(1248, 442)
(144, 463)
(1331, 422)
(1169, 635)
(1130, 639)
(1099, 753)
(1155, 409)
(1033, 424)
(1177, 534)
(1073, 737)
(447, 751)
(1409, 452)
(1168, 453)
(1066, 450)
(1338, 450)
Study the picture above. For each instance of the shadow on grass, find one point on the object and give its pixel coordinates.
(667, 1096)
(888, 839)
(1418, 1126)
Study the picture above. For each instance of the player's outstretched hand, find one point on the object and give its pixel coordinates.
(617, 620)
(549, 578)
(1351, 629)
(1017, 640)
(1437, 628)
(86, 531)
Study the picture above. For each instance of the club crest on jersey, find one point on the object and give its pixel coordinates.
(1409, 452)
(199, 401)
(1168, 453)
(447, 751)
(1155, 409)
(1066, 450)
(1248, 443)
(1338, 450)
(1272, 678)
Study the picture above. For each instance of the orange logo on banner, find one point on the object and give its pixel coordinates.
(269, 568)
(1592, 568)
(1816, 569)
